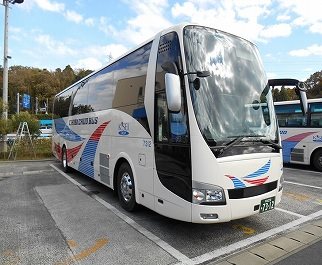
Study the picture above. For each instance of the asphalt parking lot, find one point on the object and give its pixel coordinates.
(48, 217)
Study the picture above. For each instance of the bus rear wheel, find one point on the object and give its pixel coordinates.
(64, 160)
(317, 159)
(126, 187)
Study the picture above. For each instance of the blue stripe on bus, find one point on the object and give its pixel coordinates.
(64, 131)
(263, 170)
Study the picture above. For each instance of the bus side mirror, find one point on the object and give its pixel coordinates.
(301, 89)
(173, 92)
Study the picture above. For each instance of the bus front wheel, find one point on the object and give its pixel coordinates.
(126, 187)
(317, 159)
(64, 160)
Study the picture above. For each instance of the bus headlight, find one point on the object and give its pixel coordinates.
(213, 196)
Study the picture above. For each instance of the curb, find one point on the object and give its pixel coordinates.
(24, 173)
(22, 161)
(278, 248)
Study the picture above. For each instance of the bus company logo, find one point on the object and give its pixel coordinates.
(124, 128)
(317, 138)
(84, 121)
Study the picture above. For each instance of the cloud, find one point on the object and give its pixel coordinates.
(238, 17)
(307, 13)
(90, 63)
(50, 5)
(89, 22)
(55, 47)
(104, 51)
(97, 56)
(148, 20)
(313, 50)
(278, 30)
(73, 16)
(70, 15)
(283, 18)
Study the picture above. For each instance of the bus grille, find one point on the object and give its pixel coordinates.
(252, 191)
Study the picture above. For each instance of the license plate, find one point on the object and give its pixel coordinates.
(267, 204)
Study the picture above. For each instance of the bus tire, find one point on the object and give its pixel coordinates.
(317, 159)
(64, 161)
(126, 187)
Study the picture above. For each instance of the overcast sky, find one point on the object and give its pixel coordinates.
(84, 33)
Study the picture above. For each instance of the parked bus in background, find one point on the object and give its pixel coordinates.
(184, 124)
(301, 134)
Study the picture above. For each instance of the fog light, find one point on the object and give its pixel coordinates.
(209, 216)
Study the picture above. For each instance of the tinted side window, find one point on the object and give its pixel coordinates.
(130, 79)
(102, 89)
(316, 115)
(290, 116)
(122, 85)
(80, 104)
(62, 103)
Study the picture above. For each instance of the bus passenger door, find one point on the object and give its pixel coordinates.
(172, 183)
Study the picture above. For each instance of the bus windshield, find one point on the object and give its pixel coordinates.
(235, 99)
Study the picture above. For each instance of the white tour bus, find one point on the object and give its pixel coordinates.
(301, 134)
(184, 124)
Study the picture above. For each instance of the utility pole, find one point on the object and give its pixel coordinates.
(36, 106)
(18, 103)
(5, 62)
(5, 70)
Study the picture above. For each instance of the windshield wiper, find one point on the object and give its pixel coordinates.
(270, 143)
(220, 149)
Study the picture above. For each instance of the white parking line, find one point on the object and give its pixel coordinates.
(295, 169)
(289, 212)
(254, 239)
(304, 185)
(183, 259)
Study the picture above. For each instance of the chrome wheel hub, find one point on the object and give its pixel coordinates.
(126, 186)
(64, 159)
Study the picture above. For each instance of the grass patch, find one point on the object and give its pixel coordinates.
(24, 151)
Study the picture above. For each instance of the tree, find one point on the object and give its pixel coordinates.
(81, 73)
(315, 85)
(33, 123)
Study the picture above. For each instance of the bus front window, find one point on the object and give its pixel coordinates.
(235, 100)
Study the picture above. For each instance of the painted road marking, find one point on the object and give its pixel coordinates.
(304, 185)
(297, 170)
(246, 230)
(158, 241)
(252, 240)
(85, 253)
(297, 196)
(289, 212)
(10, 257)
(302, 197)
(72, 243)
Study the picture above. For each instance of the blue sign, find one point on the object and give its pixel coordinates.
(26, 101)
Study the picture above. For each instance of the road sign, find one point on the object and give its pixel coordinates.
(26, 101)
